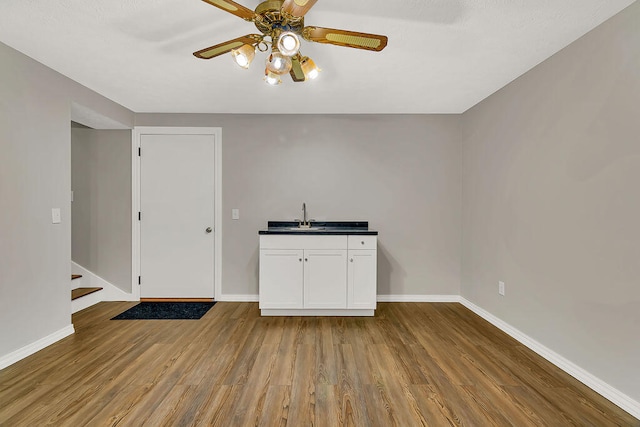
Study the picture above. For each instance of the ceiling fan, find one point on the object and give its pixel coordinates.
(281, 23)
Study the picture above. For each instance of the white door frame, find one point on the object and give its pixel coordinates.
(138, 131)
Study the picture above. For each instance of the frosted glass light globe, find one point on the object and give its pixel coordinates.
(289, 44)
(278, 63)
(244, 55)
(271, 78)
(309, 68)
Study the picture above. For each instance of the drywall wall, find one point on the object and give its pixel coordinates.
(401, 173)
(101, 207)
(551, 204)
(35, 176)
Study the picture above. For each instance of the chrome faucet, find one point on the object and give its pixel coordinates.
(303, 223)
(304, 215)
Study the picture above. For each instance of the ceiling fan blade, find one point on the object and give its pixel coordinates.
(345, 38)
(228, 46)
(234, 8)
(296, 73)
(297, 8)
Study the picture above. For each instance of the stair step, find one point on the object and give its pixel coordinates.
(76, 276)
(81, 292)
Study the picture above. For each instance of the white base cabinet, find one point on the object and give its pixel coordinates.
(318, 275)
(361, 273)
(281, 274)
(325, 278)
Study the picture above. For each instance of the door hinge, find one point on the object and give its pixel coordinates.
(139, 280)
(139, 216)
(139, 151)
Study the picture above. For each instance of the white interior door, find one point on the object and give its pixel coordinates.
(177, 183)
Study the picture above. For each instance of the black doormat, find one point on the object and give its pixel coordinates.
(166, 310)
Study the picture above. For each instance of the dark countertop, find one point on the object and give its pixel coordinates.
(320, 228)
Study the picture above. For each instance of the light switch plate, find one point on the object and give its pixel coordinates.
(235, 213)
(501, 288)
(55, 216)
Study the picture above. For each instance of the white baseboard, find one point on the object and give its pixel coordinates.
(615, 396)
(28, 350)
(381, 298)
(239, 298)
(110, 292)
(418, 298)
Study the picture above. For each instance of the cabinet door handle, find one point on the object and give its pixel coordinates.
(300, 260)
(351, 260)
(362, 242)
(306, 260)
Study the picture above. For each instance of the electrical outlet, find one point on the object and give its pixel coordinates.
(55, 216)
(501, 288)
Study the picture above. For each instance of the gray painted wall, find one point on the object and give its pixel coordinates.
(552, 205)
(35, 176)
(402, 173)
(101, 207)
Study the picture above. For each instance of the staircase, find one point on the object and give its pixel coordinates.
(82, 298)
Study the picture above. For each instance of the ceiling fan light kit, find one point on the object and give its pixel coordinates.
(281, 23)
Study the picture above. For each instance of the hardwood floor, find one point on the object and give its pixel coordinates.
(434, 364)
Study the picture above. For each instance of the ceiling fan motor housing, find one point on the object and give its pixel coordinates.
(271, 21)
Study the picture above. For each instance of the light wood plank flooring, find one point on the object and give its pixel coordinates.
(433, 364)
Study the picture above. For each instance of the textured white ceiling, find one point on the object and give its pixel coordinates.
(444, 56)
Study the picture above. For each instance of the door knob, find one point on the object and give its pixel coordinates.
(208, 230)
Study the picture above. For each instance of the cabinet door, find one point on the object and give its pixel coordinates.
(362, 278)
(325, 279)
(281, 275)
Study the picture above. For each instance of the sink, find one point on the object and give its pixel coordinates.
(305, 228)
